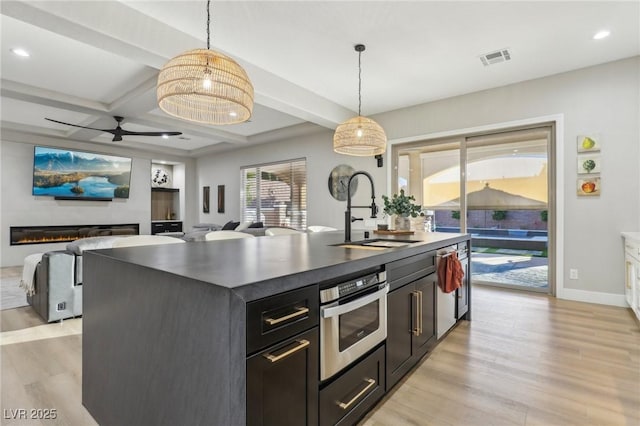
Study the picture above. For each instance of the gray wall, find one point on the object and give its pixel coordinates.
(317, 148)
(20, 208)
(602, 99)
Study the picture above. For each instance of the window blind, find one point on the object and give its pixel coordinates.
(275, 194)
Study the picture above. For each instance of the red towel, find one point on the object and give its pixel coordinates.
(450, 273)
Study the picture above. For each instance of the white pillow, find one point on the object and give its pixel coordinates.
(242, 226)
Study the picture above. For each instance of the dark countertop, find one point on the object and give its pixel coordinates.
(264, 266)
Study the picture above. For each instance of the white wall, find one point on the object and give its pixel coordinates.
(317, 148)
(20, 208)
(603, 99)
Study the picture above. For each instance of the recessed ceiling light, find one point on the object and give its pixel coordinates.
(601, 34)
(165, 136)
(18, 51)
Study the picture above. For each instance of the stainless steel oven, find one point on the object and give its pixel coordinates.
(353, 320)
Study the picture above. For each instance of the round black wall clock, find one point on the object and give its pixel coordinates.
(338, 179)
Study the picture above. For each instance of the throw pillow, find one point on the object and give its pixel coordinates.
(243, 226)
(256, 225)
(230, 226)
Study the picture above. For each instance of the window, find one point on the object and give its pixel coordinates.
(275, 194)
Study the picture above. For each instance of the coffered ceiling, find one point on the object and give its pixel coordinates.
(91, 60)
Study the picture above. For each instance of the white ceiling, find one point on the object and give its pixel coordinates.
(91, 60)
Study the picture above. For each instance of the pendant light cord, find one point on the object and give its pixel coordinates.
(359, 81)
(208, 23)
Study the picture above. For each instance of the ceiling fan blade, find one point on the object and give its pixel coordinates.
(118, 132)
(128, 132)
(82, 127)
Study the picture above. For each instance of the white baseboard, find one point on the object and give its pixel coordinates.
(594, 297)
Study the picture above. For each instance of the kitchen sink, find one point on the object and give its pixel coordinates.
(377, 244)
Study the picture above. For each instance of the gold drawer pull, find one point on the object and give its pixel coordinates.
(415, 295)
(297, 313)
(275, 358)
(420, 316)
(345, 406)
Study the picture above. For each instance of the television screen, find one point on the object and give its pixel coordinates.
(75, 174)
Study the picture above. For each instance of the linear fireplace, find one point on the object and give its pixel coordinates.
(22, 235)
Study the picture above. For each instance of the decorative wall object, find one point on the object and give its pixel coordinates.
(205, 199)
(589, 164)
(590, 143)
(220, 198)
(588, 186)
(161, 178)
(338, 179)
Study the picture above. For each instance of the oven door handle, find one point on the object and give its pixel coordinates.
(332, 311)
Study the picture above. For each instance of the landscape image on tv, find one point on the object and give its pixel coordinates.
(67, 173)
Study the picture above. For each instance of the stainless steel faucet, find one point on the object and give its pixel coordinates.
(347, 214)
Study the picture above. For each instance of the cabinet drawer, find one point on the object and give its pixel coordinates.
(275, 318)
(174, 227)
(351, 396)
(157, 228)
(282, 383)
(404, 271)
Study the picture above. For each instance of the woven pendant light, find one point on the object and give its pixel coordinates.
(205, 86)
(360, 136)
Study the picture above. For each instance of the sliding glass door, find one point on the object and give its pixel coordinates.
(505, 180)
(507, 209)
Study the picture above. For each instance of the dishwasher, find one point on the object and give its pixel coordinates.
(447, 302)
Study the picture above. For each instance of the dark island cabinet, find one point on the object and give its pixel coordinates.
(411, 326)
(282, 383)
(411, 319)
(282, 358)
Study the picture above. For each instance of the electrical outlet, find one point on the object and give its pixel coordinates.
(573, 274)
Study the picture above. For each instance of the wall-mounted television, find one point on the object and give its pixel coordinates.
(71, 174)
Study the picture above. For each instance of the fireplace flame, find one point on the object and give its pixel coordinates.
(59, 239)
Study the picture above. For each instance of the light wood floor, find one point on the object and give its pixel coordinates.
(525, 359)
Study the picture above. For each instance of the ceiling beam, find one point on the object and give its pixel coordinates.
(131, 34)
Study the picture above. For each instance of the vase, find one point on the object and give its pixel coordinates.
(402, 223)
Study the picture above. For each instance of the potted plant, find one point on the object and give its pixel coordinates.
(402, 207)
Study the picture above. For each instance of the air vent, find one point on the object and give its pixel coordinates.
(495, 57)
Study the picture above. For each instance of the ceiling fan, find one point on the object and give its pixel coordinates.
(118, 132)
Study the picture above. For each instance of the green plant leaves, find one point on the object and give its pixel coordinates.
(401, 205)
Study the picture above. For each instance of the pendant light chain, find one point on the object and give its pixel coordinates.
(359, 82)
(208, 23)
(360, 136)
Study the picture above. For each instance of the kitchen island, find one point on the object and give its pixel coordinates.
(170, 333)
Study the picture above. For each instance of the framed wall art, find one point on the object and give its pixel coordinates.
(588, 187)
(220, 198)
(205, 199)
(589, 143)
(589, 163)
